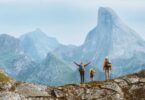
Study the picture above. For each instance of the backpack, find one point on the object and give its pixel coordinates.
(81, 68)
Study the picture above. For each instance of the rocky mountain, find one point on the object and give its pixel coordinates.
(37, 44)
(111, 37)
(12, 58)
(129, 87)
(35, 57)
(19, 65)
(52, 71)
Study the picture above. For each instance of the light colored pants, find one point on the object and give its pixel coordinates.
(107, 75)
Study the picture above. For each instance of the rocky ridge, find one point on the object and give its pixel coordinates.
(129, 87)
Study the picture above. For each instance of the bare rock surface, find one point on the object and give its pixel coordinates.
(128, 87)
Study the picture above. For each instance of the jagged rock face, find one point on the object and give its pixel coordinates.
(107, 38)
(130, 87)
(53, 71)
(111, 37)
(12, 57)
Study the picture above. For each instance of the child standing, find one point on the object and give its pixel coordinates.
(92, 74)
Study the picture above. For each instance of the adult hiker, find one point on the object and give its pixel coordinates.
(82, 70)
(107, 66)
(92, 74)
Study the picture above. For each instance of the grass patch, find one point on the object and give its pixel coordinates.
(4, 78)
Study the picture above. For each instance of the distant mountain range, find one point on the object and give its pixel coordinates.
(37, 44)
(12, 57)
(35, 57)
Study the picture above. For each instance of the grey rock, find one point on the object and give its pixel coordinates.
(129, 87)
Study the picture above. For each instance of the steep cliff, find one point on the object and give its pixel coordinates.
(129, 87)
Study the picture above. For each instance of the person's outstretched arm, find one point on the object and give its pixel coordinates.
(87, 64)
(76, 63)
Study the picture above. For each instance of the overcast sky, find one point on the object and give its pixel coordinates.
(67, 20)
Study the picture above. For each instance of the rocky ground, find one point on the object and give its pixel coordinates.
(129, 87)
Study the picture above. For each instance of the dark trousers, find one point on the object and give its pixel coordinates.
(82, 76)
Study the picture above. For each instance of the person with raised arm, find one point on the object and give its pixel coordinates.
(81, 68)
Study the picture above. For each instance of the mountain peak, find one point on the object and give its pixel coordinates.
(107, 16)
(6, 36)
(37, 33)
(38, 30)
(52, 57)
(8, 40)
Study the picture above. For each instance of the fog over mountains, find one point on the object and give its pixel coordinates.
(35, 57)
